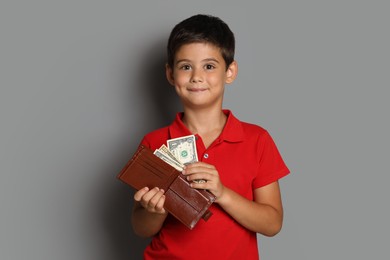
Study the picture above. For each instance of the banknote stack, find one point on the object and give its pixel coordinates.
(179, 152)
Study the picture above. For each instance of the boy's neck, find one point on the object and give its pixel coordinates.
(205, 122)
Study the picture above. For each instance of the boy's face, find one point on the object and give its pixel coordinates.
(199, 75)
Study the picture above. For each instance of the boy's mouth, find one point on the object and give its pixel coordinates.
(196, 89)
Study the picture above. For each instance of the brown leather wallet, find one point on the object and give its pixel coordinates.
(185, 203)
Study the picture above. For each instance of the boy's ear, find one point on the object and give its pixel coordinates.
(231, 72)
(169, 74)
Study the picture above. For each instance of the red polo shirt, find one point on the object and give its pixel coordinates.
(246, 159)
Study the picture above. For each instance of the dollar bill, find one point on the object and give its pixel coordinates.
(168, 160)
(180, 151)
(164, 149)
(184, 149)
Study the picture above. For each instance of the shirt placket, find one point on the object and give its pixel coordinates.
(205, 154)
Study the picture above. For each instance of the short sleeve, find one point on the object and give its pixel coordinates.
(271, 166)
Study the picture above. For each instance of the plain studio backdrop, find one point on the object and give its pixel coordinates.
(83, 81)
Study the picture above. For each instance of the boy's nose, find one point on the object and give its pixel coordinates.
(196, 76)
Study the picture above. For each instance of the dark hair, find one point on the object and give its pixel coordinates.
(202, 28)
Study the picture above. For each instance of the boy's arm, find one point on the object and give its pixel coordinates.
(264, 215)
(148, 214)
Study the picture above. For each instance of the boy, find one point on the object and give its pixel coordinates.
(239, 161)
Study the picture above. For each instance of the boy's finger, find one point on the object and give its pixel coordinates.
(199, 164)
(150, 194)
(139, 194)
(160, 203)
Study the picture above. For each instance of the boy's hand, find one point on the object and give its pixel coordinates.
(152, 200)
(204, 171)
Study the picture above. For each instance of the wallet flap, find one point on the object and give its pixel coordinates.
(207, 215)
(145, 169)
(187, 204)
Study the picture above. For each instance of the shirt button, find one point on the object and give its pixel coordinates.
(206, 155)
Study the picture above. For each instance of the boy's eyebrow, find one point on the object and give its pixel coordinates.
(211, 59)
(205, 60)
(182, 60)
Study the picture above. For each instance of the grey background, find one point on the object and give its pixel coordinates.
(82, 81)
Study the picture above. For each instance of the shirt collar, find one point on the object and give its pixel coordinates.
(232, 132)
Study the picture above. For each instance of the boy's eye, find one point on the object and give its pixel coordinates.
(185, 67)
(209, 66)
